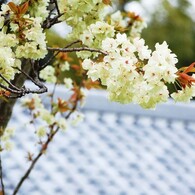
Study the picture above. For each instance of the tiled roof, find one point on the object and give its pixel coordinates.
(117, 150)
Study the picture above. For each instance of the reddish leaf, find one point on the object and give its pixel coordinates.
(13, 7)
(190, 68)
(88, 84)
(107, 2)
(185, 79)
(62, 105)
(23, 8)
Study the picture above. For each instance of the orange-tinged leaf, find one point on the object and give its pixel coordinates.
(134, 16)
(88, 84)
(75, 67)
(64, 56)
(77, 95)
(23, 8)
(7, 93)
(186, 77)
(63, 105)
(190, 68)
(185, 80)
(13, 7)
(107, 2)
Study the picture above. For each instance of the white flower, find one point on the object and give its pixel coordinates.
(65, 66)
(87, 64)
(76, 118)
(184, 95)
(68, 83)
(46, 116)
(161, 65)
(62, 123)
(118, 21)
(48, 74)
(8, 146)
(142, 49)
(41, 131)
(6, 138)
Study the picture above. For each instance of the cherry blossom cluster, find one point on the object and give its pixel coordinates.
(109, 52)
(130, 71)
(21, 36)
(133, 73)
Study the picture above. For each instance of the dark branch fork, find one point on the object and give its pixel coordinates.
(19, 92)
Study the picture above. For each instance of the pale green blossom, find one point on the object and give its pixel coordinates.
(46, 116)
(68, 83)
(41, 132)
(184, 95)
(6, 138)
(48, 74)
(62, 123)
(76, 118)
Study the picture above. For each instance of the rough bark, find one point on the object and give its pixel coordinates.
(6, 106)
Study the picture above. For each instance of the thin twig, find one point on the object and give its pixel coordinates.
(24, 73)
(41, 152)
(52, 95)
(57, 8)
(77, 49)
(49, 22)
(54, 55)
(9, 89)
(73, 43)
(9, 83)
(1, 177)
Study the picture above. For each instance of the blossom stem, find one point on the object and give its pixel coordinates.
(1, 177)
(77, 49)
(57, 8)
(53, 56)
(41, 152)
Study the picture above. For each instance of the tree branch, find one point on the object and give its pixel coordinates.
(77, 49)
(6, 106)
(41, 152)
(57, 7)
(1, 177)
(51, 20)
(54, 55)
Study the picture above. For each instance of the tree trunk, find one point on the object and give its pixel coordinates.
(6, 106)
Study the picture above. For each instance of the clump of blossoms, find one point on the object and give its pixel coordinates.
(45, 120)
(132, 73)
(93, 36)
(128, 22)
(81, 12)
(6, 143)
(24, 32)
(109, 50)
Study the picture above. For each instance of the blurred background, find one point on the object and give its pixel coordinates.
(169, 20)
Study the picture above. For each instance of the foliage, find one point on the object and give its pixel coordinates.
(175, 25)
(108, 49)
